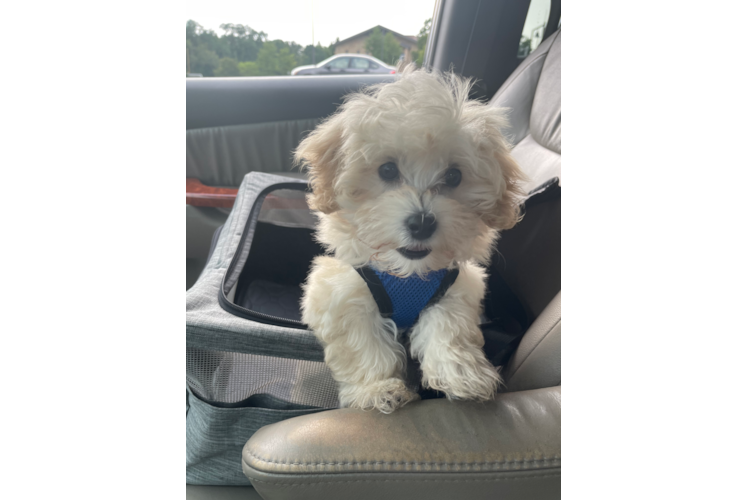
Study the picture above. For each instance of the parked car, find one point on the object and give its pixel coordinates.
(345, 64)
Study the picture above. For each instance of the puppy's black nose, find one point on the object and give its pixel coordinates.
(421, 225)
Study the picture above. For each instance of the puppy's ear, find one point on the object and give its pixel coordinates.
(493, 146)
(320, 155)
(507, 210)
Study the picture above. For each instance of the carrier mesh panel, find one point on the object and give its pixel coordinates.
(230, 377)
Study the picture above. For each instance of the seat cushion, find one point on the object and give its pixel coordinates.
(537, 361)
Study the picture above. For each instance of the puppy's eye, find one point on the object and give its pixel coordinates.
(453, 177)
(389, 171)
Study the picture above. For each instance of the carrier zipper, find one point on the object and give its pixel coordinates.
(242, 312)
(257, 316)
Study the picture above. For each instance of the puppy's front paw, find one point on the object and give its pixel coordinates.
(478, 380)
(385, 396)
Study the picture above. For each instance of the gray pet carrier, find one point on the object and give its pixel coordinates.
(250, 360)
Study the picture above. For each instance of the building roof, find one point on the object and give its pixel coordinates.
(411, 39)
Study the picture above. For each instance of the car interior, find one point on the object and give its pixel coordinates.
(508, 448)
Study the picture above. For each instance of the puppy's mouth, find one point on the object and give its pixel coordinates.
(414, 252)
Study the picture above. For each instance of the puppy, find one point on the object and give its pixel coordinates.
(412, 182)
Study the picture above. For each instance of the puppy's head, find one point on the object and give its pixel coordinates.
(412, 176)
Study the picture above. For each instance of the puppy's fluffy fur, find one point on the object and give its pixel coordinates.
(425, 124)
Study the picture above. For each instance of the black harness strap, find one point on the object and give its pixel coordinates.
(447, 281)
(377, 290)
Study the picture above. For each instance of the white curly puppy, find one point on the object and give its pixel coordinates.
(412, 181)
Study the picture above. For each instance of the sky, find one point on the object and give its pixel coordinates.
(291, 20)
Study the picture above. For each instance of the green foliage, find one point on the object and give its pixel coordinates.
(273, 60)
(227, 67)
(201, 60)
(249, 68)
(320, 54)
(383, 47)
(197, 37)
(242, 51)
(525, 47)
(424, 33)
(423, 38)
(243, 42)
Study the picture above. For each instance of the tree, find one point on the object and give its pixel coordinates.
(274, 61)
(383, 47)
(227, 67)
(204, 49)
(243, 42)
(201, 60)
(304, 57)
(244, 51)
(423, 38)
(249, 68)
(197, 36)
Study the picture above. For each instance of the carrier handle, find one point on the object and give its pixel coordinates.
(200, 195)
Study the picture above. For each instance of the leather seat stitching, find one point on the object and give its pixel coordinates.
(332, 481)
(375, 462)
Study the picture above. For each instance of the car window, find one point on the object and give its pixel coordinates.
(295, 37)
(534, 28)
(359, 63)
(339, 63)
(373, 65)
(326, 61)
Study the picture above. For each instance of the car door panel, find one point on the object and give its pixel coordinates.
(222, 156)
(239, 125)
(217, 102)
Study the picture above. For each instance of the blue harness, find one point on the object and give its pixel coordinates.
(403, 299)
